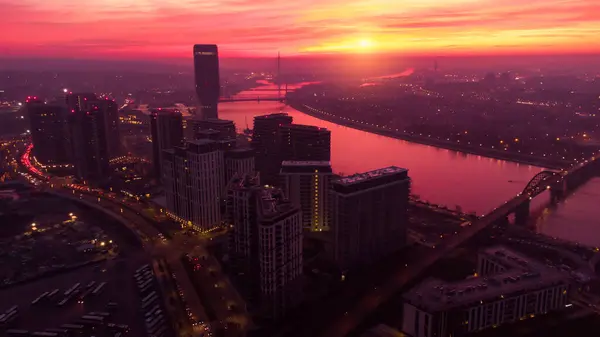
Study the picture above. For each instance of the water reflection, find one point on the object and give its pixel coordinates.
(440, 176)
(577, 218)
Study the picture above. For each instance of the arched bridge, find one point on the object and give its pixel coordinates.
(557, 182)
(541, 182)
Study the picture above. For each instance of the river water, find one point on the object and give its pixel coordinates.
(475, 183)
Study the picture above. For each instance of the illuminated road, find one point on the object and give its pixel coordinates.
(152, 242)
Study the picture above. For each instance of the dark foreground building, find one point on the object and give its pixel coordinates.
(92, 127)
(266, 142)
(49, 133)
(369, 216)
(266, 245)
(206, 75)
(167, 132)
(305, 143)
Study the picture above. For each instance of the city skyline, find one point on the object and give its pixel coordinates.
(144, 29)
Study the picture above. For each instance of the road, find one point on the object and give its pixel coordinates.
(152, 244)
(219, 298)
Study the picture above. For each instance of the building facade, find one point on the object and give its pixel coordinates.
(306, 184)
(305, 143)
(206, 75)
(194, 182)
(239, 161)
(514, 288)
(368, 216)
(89, 128)
(266, 142)
(166, 127)
(266, 245)
(49, 133)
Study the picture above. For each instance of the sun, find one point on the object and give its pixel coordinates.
(365, 43)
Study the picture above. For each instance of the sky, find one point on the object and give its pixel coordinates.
(165, 29)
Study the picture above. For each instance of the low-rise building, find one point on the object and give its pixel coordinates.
(510, 287)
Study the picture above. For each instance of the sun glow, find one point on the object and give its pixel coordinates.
(365, 44)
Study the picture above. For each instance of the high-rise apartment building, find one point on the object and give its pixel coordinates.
(510, 288)
(206, 74)
(89, 132)
(194, 183)
(305, 143)
(368, 215)
(306, 184)
(49, 133)
(266, 142)
(111, 111)
(239, 161)
(225, 128)
(266, 245)
(166, 127)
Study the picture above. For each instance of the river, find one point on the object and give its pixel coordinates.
(476, 184)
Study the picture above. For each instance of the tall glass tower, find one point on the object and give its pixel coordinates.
(206, 71)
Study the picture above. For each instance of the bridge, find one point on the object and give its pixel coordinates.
(250, 99)
(558, 183)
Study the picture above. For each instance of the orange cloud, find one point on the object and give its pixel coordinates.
(168, 28)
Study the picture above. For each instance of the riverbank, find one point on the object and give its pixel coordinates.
(490, 153)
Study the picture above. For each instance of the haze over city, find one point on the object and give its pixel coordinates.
(309, 168)
(146, 29)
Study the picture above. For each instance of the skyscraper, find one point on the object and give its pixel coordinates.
(49, 133)
(266, 142)
(89, 135)
(369, 215)
(194, 182)
(306, 184)
(206, 73)
(266, 245)
(167, 133)
(305, 143)
(111, 111)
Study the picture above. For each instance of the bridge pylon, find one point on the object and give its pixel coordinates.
(522, 213)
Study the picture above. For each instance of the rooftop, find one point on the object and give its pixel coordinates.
(371, 175)
(273, 116)
(305, 163)
(524, 274)
(274, 206)
(215, 121)
(305, 127)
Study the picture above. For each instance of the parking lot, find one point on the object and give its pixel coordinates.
(103, 298)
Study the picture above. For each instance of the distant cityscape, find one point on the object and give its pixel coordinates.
(162, 212)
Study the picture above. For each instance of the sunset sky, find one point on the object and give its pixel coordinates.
(130, 29)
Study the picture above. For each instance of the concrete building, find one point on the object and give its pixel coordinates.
(266, 245)
(239, 161)
(510, 288)
(305, 143)
(225, 128)
(266, 142)
(206, 76)
(167, 133)
(306, 184)
(194, 183)
(368, 216)
(90, 125)
(49, 133)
